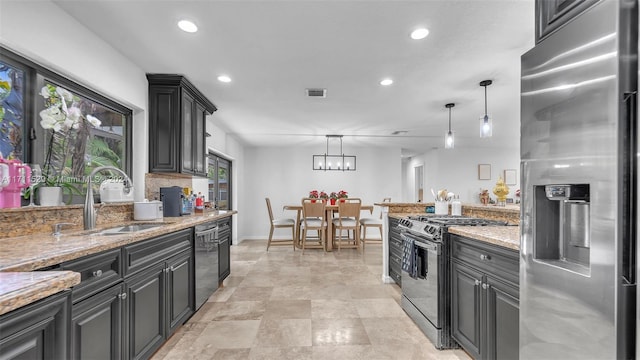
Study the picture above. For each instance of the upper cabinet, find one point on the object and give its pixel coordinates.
(552, 14)
(177, 125)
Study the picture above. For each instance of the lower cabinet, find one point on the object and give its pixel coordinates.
(133, 318)
(161, 298)
(224, 249)
(37, 331)
(485, 299)
(96, 325)
(395, 251)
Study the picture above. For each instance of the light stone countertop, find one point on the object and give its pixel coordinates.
(20, 285)
(18, 289)
(505, 236)
(32, 252)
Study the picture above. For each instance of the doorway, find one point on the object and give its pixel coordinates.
(419, 183)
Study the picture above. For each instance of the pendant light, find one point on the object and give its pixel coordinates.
(335, 162)
(486, 125)
(448, 139)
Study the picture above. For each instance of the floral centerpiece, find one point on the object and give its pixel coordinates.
(323, 195)
(313, 194)
(68, 129)
(342, 194)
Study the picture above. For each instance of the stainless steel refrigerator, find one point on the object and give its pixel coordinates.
(579, 188)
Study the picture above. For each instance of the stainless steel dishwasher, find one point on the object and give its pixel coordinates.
(206, 255)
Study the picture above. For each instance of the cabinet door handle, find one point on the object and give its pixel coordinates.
(477, 282)
(485, 257)
(122, 296)
(97, 273)
(485, 286)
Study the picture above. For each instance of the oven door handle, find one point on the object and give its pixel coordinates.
(426, 246)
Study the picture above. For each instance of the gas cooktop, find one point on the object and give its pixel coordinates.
(433, 226)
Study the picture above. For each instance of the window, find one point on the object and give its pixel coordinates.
(91, 130)
(12, 109)
(219, 174)
(91, 135)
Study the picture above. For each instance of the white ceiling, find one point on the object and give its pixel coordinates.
(273, 50)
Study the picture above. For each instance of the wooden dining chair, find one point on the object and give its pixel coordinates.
(313, 218)
(280, 223)
(372, 223)
(348, 219)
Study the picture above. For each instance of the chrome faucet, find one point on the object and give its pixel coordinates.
(89, 214)
(57, 228)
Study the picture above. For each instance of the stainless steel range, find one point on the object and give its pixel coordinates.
(425, 272)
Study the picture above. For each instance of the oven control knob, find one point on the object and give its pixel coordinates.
(477, 282)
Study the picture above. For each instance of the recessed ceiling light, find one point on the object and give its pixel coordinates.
(386, 82)
(187, 26)
(224, 78)
(419, 34)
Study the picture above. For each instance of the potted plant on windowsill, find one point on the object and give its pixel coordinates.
(68, 128)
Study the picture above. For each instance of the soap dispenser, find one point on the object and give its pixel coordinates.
(456, 206)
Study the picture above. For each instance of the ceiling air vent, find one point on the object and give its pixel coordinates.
(316, 93)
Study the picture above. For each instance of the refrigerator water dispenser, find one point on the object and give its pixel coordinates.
(562, 226)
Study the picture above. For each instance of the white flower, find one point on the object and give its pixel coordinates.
(52, 118)
(64, 94)
(44, 92)
(74, 114)
(94, 121)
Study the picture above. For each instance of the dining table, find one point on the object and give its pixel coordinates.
(329, 209)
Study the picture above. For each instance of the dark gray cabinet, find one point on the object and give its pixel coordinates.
(177, 125)
(395, 251)
(552, 14)
(131, 299)
(146, 297)
(96, 325)
(37, 331)
(160, 288)
(224, 248)
(485, 298)
(180, 290)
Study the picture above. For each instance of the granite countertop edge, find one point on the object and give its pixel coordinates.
(16, 256)
(18, 289)
(20, 285)
(504, 236)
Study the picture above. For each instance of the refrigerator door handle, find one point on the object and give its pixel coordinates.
(629, 231)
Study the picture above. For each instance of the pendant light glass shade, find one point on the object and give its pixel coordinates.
(449, 139)
(486, 124)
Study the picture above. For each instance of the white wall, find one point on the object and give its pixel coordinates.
(43, 33)
(457, 171)
(285, 176)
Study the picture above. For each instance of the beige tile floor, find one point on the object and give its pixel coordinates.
(284, 305)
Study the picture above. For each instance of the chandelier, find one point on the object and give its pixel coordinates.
(334, 162)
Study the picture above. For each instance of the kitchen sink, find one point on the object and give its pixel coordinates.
(128, 229)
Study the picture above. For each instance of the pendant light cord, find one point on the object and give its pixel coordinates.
(485, 101)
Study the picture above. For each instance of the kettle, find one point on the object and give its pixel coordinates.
(147, 210)
(114, 191)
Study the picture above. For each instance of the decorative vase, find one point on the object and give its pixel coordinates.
(313, 201)
(50, 195)
(333, 201)
(343, 200)
(501, 190)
